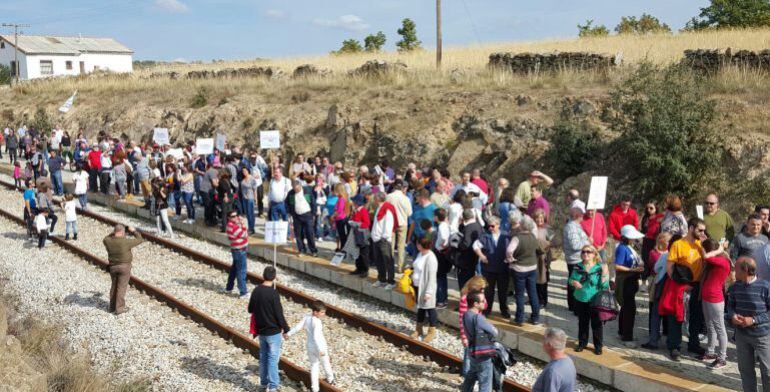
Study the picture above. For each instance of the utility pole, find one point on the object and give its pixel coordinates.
(438, 34)
(15, 47)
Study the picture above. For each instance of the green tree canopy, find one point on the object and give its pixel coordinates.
(374, 42)
(644, 25)
(589, 30)
(732, 14)
(350, 46)
(408, 33)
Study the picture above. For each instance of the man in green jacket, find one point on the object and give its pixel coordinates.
(119, 255)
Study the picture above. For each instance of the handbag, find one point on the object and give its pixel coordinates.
(681, 274)
(483, 345)
(360, 237)
(605, 305)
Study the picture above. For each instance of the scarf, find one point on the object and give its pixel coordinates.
(387, 207)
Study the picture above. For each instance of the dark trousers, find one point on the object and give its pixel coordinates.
(53, 219)
(41, 237)
(362, 262)
(570, 289)
(12, 155)
(342, 231)
(226, 208)
(208, 208)
(499, 280)
(463, 276)
(386, 269)
(120, 275)
(303, 231)
(104, 181)
(430, 314)
(526, 281)
(260, 203)
(542, 290)
(586, 314)
(696, 318)
(627, 314)
(674, 337)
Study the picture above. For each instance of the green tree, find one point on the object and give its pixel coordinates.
(408, 33)
(41, 121)
(573, 145)
(374, 42)
(644, 25)
(350, 46)
(732, 14)
(667, 132)
(5, 74)
(589, 30)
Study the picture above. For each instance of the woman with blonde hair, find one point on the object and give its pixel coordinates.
(475, 284)
(589, 277)
(674, 221)
(341, 213)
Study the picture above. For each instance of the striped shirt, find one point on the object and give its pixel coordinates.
(753, 300)
(237, 235)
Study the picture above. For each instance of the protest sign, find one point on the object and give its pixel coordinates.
(597, 194)
(204, 146)
(219, 142)
(160, 136)
(269, 139)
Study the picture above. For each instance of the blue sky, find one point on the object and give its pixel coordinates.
(243, 29)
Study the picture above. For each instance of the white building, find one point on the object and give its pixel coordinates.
(43, 56)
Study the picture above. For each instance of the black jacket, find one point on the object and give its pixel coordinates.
(265, 305)
(468, 259)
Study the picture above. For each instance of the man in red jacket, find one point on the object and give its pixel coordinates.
(621, 215)
(94, 166)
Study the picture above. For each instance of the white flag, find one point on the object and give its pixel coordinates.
(68, 105)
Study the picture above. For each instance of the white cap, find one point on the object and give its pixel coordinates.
(578, 205)
(630, 232)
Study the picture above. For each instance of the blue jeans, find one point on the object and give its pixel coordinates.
(269, 355)
(466, 361)
(480, 371)
(238, 271)
(58, 185)
(248, 209)
(71, 227)
(188, 204)
(177, 198)
(526, 281)
(278, 210)
(83, 199)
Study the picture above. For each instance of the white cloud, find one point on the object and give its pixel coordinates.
(275, 14)
(346, 22)
(174, 6)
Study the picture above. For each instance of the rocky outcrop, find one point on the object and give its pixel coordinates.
(526, 63)
(378, 68)
(310, 70)
(251, 72)
(712, 60)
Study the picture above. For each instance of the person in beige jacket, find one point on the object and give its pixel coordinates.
(404, 210)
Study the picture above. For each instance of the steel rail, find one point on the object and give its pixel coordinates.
(414, 346)
(238, 339)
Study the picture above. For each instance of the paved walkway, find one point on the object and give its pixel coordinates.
(557, 315)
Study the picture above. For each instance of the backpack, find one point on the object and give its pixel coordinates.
(605, 305)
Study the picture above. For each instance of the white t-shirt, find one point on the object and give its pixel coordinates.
(316, 342)
(81, 182)
(41, 223)
(442, 237)
(70, 210)
(279, 189)
(301, 206)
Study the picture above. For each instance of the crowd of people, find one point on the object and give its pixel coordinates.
(701, 275)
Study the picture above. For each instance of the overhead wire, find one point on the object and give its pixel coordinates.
(473, 24)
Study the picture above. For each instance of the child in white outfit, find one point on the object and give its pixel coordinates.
(317, 352)
(70, 216)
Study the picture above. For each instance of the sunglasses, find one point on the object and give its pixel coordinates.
(709, 203)
(586, 252)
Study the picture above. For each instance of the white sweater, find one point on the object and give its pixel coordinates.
(316, 342)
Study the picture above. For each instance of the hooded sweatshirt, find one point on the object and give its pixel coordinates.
(618, 219)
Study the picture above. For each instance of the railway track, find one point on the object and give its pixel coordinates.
(442, 358)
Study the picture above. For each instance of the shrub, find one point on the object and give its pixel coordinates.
(349, 46)
(732, 14)
(41, 121)
(374, 42)
(5, 74)
(589, 30)
(573, 145)
(646, 24)
(667, 132)
(408, 33)
(199, 100)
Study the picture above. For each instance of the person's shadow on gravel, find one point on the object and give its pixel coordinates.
(94, 300)
(206, 368)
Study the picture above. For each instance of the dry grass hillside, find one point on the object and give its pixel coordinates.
(464, 115)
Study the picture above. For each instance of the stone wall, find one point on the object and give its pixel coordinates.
(525, 63)
(254, 72)
(712, 60)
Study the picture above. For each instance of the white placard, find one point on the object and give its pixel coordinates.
(68, 104)
(598, 193)
(337, 259)
(699, 211)
(269, 139)
(177, 153)
(160, 136)
(204, 146)
(219, 142)
(276, 232)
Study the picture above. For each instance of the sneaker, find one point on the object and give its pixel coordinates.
(717, 364)
(378, 284)
(674, 354)
(441, 305)
(314, 254)
(244, 296)
(696, 350)
(598, 350)
(390, 286)
(225, 291)
(703, 338)
(630, 344)
(707, 357)
(649, 346)
(319, 239)
(579, 348)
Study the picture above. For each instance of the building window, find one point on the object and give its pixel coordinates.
(46, 67)
(69, 65)
(2, 44)
(13, 68)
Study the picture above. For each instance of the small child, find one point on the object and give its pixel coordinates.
(41, 224)
(29, 174)
(70, 206)
(317, 351)
(659, 259)
(17, 175)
